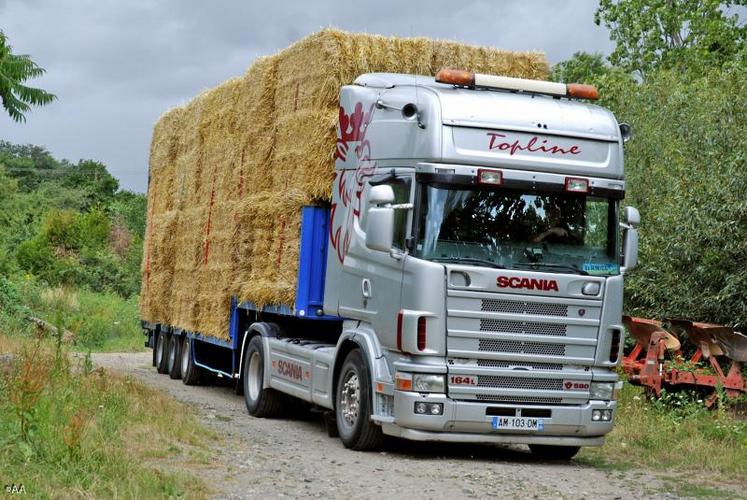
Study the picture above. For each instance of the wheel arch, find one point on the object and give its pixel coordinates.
(366, 342)
(258, 329)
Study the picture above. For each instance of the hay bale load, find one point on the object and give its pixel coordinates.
(230, 170)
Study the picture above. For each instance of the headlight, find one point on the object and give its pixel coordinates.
(422, 382)
(601, 390)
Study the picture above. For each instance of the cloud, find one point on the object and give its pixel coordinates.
(116, 66)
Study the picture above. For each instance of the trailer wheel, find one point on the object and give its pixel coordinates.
(353, 406)
(162, 343)
(190, 371)
(259, 402)
(547, 452)
(175, 357)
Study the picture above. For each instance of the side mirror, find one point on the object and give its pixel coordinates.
(630, 238)
(380, 219)
(632, 217)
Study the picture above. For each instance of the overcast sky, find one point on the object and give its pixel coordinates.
(117, 65)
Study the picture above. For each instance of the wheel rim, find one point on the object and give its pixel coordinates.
(254, 380)
(159, 350)
(350, 397)
(185, 356)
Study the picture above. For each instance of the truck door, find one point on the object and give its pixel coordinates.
(373, 279)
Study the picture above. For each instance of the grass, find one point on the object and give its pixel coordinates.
(70, 431)
(101, 322)
(676, 433)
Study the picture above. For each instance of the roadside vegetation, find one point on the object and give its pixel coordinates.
(675, 435)
(67, 430)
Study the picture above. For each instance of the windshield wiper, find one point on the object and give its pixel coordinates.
(469, 260)
(547, 265)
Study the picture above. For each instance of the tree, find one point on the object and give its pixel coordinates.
(669, 33)
(15, 69)
(582, 67)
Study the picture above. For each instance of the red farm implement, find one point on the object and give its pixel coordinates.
(678, 354)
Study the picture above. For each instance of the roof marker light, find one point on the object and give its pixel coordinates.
(577, 185)
(489, 177)
(456, 77)
(470, 79)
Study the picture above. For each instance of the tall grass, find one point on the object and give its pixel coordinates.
(98, 321)
(69, 431)
(675, 433)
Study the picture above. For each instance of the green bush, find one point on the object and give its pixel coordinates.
(686, 171)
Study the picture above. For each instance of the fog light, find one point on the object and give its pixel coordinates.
(596, 415)
(429, 408)
(606, 415)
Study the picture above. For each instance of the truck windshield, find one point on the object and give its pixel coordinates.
(553, 232)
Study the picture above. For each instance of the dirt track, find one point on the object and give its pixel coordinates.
(295, 458)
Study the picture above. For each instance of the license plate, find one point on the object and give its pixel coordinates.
(518, 423)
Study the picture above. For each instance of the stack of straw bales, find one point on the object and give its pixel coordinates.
(230, 170)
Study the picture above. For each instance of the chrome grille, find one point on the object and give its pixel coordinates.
(520, 383)
(526, 327)
(516, 346)
(493, 363)
(517, 399)
(515, 307)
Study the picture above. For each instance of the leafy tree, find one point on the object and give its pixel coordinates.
(582, 67)
(15, 69)
(668, 33)
(92, 178)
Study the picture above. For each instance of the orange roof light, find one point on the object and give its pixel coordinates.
(456, 77)
(582, 91)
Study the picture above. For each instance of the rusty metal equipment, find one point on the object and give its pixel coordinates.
(679, 354)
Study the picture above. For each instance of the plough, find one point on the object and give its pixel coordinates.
(679, 354)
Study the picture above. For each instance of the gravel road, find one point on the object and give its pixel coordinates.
(262, 458)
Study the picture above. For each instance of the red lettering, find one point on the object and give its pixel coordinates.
(527, 283)
(531, 146)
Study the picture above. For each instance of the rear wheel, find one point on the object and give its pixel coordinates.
(260, 402)
(162, 344)
(175, 357)
(547, 452)
(190, 371)
(353, 406)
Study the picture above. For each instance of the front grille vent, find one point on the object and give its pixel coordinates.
(517, 399)
(515, 307)
(548, 384)
(525, 327)
(492, 363)
(516, 346)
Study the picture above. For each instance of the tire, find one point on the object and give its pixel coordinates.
(260, 402)
(175, 357)
(353, 404)
(162, 343)
(152, 339)
(330, 425)
(547, 452)
(190, 371)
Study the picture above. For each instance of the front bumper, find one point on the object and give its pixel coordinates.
(470, 422)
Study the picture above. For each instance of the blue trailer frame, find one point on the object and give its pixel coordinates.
(312, 267)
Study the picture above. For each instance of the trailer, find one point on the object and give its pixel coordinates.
(464, 284)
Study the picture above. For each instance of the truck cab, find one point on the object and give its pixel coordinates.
(477, 247)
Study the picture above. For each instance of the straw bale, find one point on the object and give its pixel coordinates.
(231, 170)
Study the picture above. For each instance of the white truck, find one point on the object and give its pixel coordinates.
(466, 282)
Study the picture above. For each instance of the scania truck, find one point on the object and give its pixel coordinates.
(464, 284)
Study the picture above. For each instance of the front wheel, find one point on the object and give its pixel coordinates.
(353, 406)
(259, 401)
(547, 452)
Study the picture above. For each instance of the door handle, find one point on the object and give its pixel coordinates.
(366, 288)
